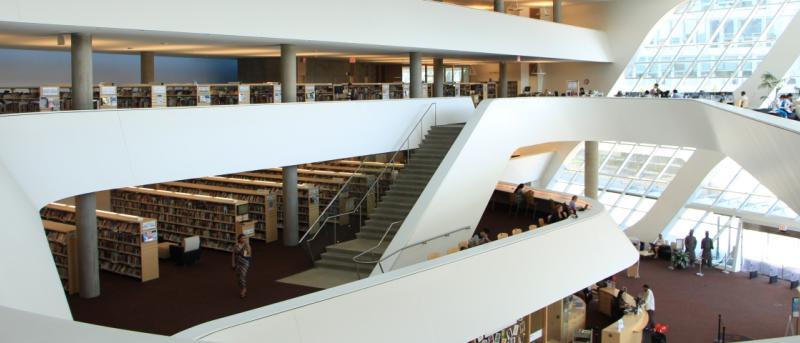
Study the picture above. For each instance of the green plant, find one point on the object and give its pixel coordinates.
(771, 82)
(680, 260)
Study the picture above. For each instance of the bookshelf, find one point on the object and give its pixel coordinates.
(301, 93)
(491, 90)
(216, 220)
(127, 244)
(452, 90)
(180, 95)
(513, 88)
(328, 186)
(324, 92)
(398, 91)
(134, 96)
(264, 93)
(366, 91)
(308, 195)
(224, 94)
(63, 240)
(263, 207)
(20, 99)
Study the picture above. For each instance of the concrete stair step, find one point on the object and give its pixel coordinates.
(391, 217)
(340, 265)
(375, 235)
(357, 246)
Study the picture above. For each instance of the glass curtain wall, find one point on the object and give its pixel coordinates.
(708, 45)
(632, 176)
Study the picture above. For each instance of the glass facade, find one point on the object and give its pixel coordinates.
(708, 45)
(632, 176)
(728, 191)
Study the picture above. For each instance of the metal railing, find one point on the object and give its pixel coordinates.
(323, 218)
(383, 237)
(379, 262)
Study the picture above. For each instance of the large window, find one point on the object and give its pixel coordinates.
(451, 73)
(632, 176)
(709, 45)
(729, 191)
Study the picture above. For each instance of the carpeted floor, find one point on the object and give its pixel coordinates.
(184, 296)
(187, 296)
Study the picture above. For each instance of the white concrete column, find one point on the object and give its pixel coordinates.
(502, 86)
(288, 73)
(415, 68)
(499, 6)
(291, 209)
(557, 11)
(85, 204)
(147, 66)
(591, 168)
(82, 83)
(438, 77)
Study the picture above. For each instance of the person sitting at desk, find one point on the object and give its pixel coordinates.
(656, 245)
(619, 303)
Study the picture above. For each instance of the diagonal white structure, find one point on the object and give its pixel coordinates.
(120, 148)
(766, 146)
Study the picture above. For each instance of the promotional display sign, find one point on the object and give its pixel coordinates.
(311, 94)
(203, 95)
(796, 307)
(108, 97)
(159, 96)
(277, 94)
(244, 94)
(49, 99)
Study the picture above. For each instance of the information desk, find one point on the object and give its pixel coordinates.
(634, 325)
(575, 317)
(606, 300)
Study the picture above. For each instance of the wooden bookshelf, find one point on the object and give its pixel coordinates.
(308, 195)
(263, 206)
(122, 247)
(134, 96)
(224, 94)
(366, 91)
(264, 93)
(399, 91)
(513, 89)
(323, 92)
(63, 239)
(491, 90)
(216, 220)
(180, 95)
(19, 99)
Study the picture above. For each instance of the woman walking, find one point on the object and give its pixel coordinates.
(240, 261)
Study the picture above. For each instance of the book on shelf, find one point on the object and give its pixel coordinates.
(262, 204)
(216, 220)
(308, 195)
(126, 244)
(63, 241)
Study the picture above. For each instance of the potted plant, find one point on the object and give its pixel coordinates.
(772, 83)
(680, 260)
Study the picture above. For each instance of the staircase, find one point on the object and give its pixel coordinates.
(393, 206)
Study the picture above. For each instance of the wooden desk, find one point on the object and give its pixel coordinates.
(577, 317)
(540, 194)
(631, 333)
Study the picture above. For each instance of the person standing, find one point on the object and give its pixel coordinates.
(707, 244)
(744, 101)
(690, 243)
(240, 261)
(649, 305)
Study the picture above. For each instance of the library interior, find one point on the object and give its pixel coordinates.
(483, 171)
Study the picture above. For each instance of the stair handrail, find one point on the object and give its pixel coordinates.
(356, 259)
(379, 261)
(357, 208)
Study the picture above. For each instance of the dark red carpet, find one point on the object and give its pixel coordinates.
(186, 296)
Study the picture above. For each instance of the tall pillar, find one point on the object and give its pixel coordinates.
(85, 204)
(557, 11)
(591, 168)
(502, 87)
(291, 230)
(438, 77)
(89, 269)
(147, 66)
(499, 6)
(415, 68)
(288, 73)
(291, 210)
(82, 89)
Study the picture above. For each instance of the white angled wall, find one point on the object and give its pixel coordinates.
(383, 25)
(766, 146)
(50, 156)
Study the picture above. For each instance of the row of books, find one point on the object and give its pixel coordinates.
(176, 202)
(177, 209)
(121, 268)
(121, 247)
(117, 258)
